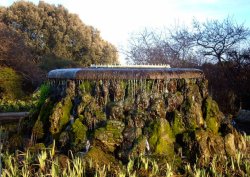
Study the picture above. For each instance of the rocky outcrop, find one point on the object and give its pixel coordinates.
(121, 119)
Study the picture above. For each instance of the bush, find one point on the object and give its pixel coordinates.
(11, 84)
(28, 104)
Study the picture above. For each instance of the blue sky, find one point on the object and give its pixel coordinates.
(117, 19)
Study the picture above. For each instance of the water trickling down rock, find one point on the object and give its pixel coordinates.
(122, 112)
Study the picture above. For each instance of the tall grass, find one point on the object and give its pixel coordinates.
(47, 162)
(29, 164)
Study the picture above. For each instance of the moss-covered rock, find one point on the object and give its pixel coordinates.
(161, 138)
(64, 140)
(128, 105)
(157, 107)
(101, 158)
(119, 119)
(191, 107)
(42, 123)
(230, 144)
(93, 115)
(86, 98)
(142, 100)
(61, 115)
(208, 144)
(86, 86)
(140, 147)
(117, 90)
(203, 87)
(115, 110)
(110, 135)
(174, 101)
(192, 112)
(212, 115)
(177, 123)
(46, 110)
(79, 133)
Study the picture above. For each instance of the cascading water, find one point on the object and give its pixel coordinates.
(132, 110)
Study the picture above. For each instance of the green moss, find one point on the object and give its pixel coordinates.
(123, 84)
(115, 110)
(42, 123)
(100, 158)
(161, 138)
(46, 110)
(212, 114)
(86, 86)
(11, 84)
(192, 109)
(187, 108)
(178, 125)
(85, 100)
(149, 85)
(207, 107)
(44, 92)
(128, 104)
(66, 111)
(79, 131)
(61, 115)
(99, 114)
(212, 124)
(93, 114)
(81, 117)
(211, 108)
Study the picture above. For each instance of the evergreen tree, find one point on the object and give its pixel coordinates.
(52, 30)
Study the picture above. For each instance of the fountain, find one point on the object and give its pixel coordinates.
(126, 111)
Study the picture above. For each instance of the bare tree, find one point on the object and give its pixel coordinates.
(216, 38)
(218, 47)
(160, 47)
(210, 40)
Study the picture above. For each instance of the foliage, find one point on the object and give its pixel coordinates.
(38, 38)
(50, 62)
(52, 30)
(232, 90)
(15, 54)
(14, 106)
(42, 94)
(11, 84)
(27, 104)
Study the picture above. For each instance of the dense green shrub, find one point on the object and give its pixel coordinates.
(28, 104)
(10, 84)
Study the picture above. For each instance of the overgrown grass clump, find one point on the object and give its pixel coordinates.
(46, 162)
